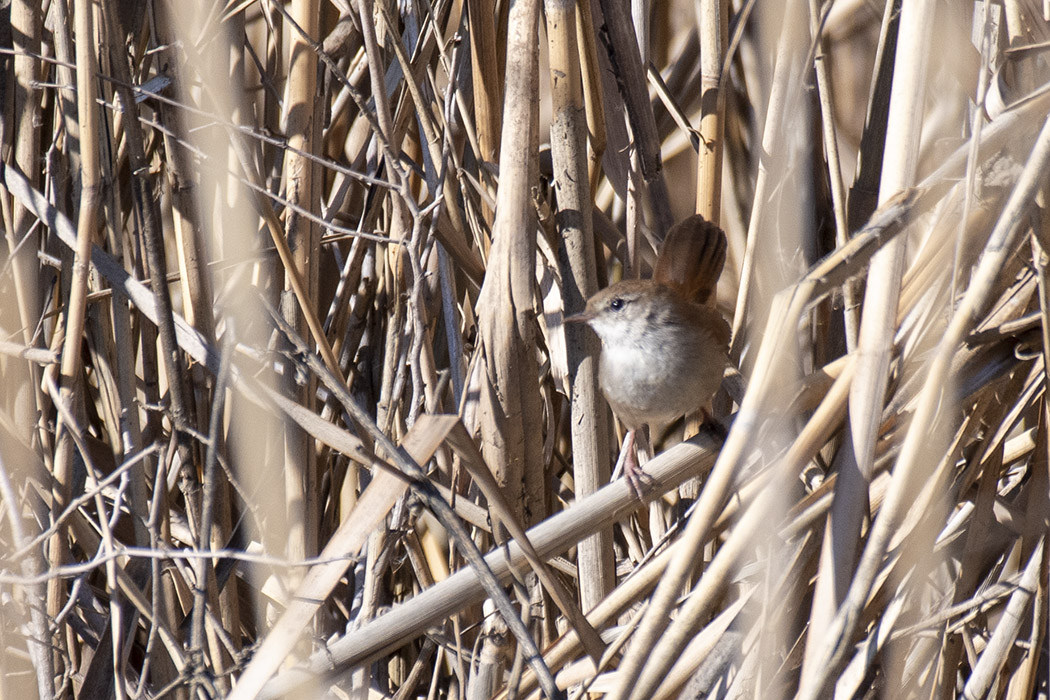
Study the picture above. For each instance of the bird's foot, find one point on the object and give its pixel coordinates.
(636, 477)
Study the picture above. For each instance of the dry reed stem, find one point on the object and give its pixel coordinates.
(876, 333)
(579, 281)
(172, 452)
(713, 20)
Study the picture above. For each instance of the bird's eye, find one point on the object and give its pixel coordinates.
(616, 304)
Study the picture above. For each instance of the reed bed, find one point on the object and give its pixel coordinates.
(288, 408)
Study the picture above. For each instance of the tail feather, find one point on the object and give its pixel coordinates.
(692, 257)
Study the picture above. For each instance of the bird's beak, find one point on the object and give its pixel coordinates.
(582, 317)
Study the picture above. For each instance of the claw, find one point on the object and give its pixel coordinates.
(637, 478)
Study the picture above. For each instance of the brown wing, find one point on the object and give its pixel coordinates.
(692, 257)
(712, 320)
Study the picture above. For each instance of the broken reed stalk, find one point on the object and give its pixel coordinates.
(384, 164)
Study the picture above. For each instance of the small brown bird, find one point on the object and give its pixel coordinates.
(664, 345)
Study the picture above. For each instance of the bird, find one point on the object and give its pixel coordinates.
(664, 345)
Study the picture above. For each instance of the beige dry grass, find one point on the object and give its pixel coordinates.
(288, 408)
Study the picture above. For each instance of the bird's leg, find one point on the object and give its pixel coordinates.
(632, 471)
